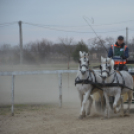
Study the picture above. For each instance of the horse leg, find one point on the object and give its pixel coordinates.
(122, 107)
(89, 105)
(116, 100)
(130, 95)
(106, 113)
(102, 101)
(81, 97)
(81, 100)
(83, 108)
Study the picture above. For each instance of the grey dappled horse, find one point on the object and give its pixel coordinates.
(86, 90)
(109, 75)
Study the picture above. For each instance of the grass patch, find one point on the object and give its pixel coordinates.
(5, 111)
(19, 108)
(57, 66)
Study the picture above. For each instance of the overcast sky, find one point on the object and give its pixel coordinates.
(66, 15)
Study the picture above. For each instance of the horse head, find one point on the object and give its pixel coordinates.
(107, 65)
(84, 62)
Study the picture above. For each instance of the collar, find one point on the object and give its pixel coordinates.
(110, 74)
(122, 45)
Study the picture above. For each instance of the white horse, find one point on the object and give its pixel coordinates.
(85, 90)
(109, 75)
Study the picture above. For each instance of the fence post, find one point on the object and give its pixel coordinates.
(60, 90)
(12, 108)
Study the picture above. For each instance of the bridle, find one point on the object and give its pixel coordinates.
(83, 65)
(108, 68)
(86, 66)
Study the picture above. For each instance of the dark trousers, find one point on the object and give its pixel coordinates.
(120, 67)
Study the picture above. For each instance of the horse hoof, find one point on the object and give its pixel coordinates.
(88, 113)
(122, 114)
(104, 118)
(82, 116)
(115, 111)
(127, 113)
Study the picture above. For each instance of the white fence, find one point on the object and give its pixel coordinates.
(59, 72)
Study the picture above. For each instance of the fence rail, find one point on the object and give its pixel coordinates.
(36, 72)
(59, 72)
(15, 73)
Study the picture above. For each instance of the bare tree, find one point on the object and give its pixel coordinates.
(67, 42)
(97, 42)
(110, 40)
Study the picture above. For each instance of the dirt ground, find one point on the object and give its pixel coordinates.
(49, 119)
(54, 120)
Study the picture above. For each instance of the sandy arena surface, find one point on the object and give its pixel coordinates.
(49, 119)
(53, 120)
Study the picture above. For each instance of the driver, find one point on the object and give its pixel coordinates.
(119, 52)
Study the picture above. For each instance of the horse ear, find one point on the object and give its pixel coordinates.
(100, 67)
(109, 59)
(80, 53)
(112, 62)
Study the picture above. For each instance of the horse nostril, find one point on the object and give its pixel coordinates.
(104, 77)
(83, 72)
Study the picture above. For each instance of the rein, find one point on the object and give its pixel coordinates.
(115, 84)
(87, 81)
(84, 81)
(101, 85)
(84, 66)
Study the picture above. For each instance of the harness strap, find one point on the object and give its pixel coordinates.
(87, 81)
(117, 78)
(80, 81)
(114, 78)
(93, 74)
(90, 76)
(123, 81)
(100, 85)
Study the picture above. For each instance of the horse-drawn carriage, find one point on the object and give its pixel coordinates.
(125, 97)
(102, 84)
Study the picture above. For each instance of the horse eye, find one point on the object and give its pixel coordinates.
(109, 66)
(79, 61)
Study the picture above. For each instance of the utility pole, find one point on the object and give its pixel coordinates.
(21, 42)
(126, 35)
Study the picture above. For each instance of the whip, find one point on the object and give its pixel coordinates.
(85, 18)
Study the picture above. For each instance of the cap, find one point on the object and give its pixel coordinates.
(120, 37)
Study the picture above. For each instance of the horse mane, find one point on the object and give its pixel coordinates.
(109, 61)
